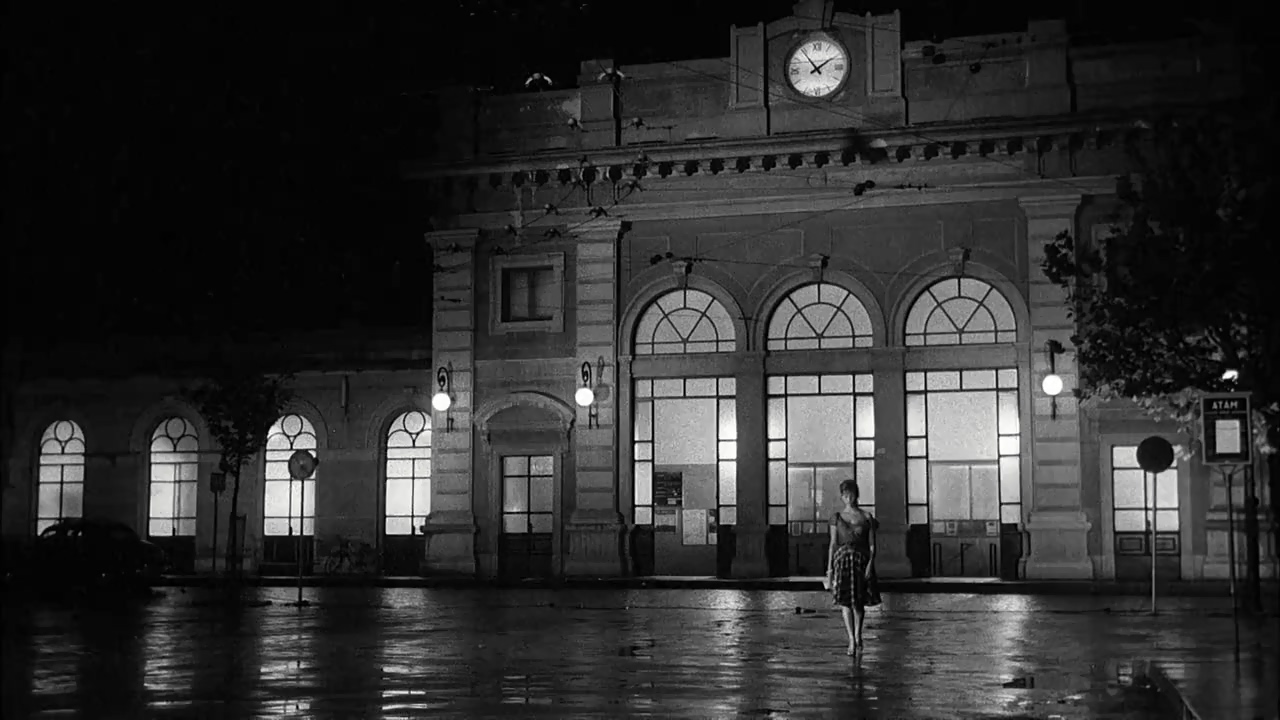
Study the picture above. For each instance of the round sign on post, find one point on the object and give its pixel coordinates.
(301, 464)
(1155, 454)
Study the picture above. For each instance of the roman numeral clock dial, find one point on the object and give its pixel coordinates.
(817, 67)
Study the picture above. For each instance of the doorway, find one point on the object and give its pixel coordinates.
(525, 546)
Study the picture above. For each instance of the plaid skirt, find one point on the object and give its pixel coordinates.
(849, 583)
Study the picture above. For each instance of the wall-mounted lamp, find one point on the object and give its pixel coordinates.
(1052, 384)
(442, 401)
(585, 396)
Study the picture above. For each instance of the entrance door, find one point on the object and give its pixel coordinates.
(528, 490)
(1143, 502)
(965, 512)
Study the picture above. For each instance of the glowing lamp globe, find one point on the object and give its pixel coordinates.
(584, 397)
(1052, 385)
(441, 401)
(1231, 375)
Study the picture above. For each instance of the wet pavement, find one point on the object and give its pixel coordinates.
(414, 652)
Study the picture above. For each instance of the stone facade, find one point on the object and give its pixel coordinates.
(954, 160)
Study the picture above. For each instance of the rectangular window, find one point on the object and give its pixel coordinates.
(529, 294)
(528, 490)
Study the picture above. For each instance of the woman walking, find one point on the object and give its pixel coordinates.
(851, 575)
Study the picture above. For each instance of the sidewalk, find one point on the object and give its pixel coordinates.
(600, 652)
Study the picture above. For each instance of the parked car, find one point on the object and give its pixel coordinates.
(90, 555)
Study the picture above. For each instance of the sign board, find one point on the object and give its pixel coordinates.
(1225, 429)
(668, 489)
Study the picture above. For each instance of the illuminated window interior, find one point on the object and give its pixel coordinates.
(960, 311)
(684, 321)
(821, 432)
(820, 316)
(527, 494)
(408, 500)
(60, 492)
(290, 505)
(174, 482)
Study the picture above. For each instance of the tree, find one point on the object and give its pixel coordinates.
(1186, 287)
(240, 405)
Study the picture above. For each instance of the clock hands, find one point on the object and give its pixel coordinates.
(811, 63)
(818, 68)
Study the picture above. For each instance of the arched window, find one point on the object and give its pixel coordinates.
(290, 507)
(820, 316)
(684, 321)
(174, 484)
(60, 491)
(408, 499)
(960, 311)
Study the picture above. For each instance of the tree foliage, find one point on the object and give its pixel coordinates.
(1186, 285)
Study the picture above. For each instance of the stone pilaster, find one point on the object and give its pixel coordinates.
(594, 532)
(891, 465)
(1056, 524)
(750, 560)
(451, 526)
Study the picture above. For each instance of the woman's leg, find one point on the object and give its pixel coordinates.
(859, 614)
(847, 613)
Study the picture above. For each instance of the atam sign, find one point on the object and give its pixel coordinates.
(1225, 429)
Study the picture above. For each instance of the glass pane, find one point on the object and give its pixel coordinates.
(962, 426)
(685, 432)
(422, 496)
(802, 384)
(668, 388)
(540, 465)
(917, 447)
(949, 492)
(728, 515)
(1010, 479)
(515, 524)
(187, 492)
(777, 515)
(540, 490)
(776, 385)
(863, 383)
(777, 449)
(820, 428)
(187, 527)
(728, 450)
(867, 483)
(1127, 489)
(866, 416)
(542, 523)
(644, 388)
(274, 527)
(1008, 378)
(644, 420)
(1009, 414)
(1011, 514)
(644, 483)
(984, 483)
(1166, 520)
(1124, 456)
(947, 380)
(644, 516)
(162, 472)
(777, 483)
(50, 505)
(915, 415)
(161, 527)
(917, 481)
(277, 499)
(515, 494)
(700, 387)
(915, 381)
(1166, 489)
(728, 483)
(917, 515)
(836, 384)
(515, 465)
(727, 386)
(1010, 444)
(1130, 521)
(161, 500)
(827, 486)
(728, 420)
(978, 379)
(399, 496)
(644, 451)
(399, 526)
(777, 418)
(865, 448)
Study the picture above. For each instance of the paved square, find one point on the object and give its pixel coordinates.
(395, 653)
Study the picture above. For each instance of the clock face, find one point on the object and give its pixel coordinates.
(818, 67)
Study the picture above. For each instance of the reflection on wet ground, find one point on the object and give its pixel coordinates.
(396, 653)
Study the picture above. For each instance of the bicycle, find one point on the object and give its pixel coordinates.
(350, 558)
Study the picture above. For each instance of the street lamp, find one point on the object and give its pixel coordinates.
(1052, 383)
(442, 401)
(585, 396)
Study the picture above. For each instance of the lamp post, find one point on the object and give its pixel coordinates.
(442, 400)
(1052, 383)
(585, 396)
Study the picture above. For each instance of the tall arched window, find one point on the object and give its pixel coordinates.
(960, 311)
(60, 492)
(174, 484)
(290, 507)
(684, 321)
(820, 316)
(408, 499)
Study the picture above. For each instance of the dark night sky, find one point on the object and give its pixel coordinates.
(176, 173)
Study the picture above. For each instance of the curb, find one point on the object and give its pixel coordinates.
(1175, 702)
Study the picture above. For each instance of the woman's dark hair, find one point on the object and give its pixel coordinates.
(851, 487)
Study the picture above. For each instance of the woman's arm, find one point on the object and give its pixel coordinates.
(831, 547)
(871, 537)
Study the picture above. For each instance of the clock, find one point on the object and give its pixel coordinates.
(817, 67)
(302, 464)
